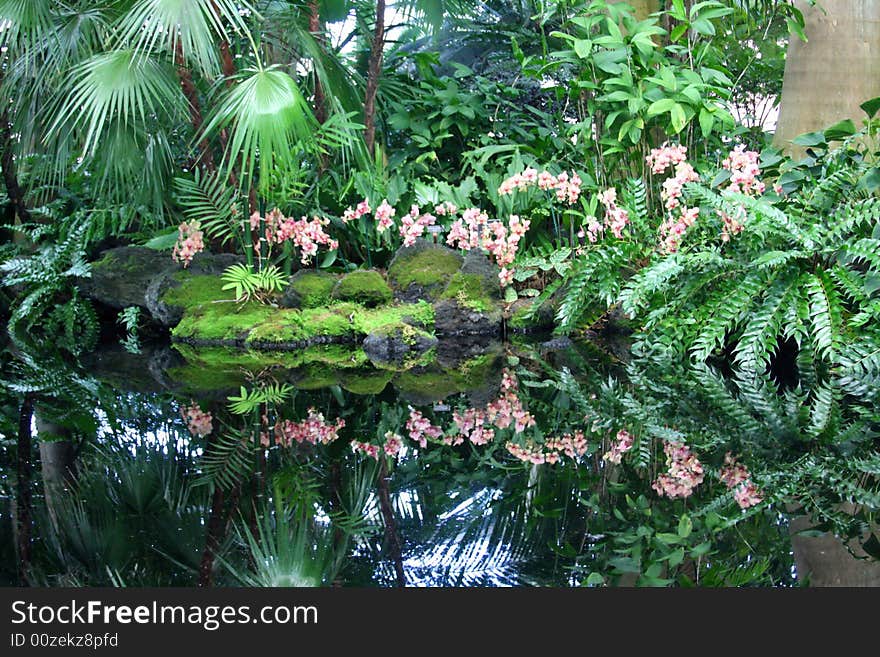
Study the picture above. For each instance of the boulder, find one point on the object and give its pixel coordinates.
(363, 286)
(422, 271)
(397, 345)
(138, 276)
(309, 288)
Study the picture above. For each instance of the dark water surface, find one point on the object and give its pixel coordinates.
(123, 491)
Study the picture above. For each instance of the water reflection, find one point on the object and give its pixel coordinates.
(463, 476)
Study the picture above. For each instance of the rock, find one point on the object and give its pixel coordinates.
(138, 276)
(523, 320)
(452, 319)
(309, 288)
(478, 265)
(365, 287)
(397, 345)
(422, 271)
(557, 344)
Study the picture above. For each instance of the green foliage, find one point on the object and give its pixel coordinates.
(249, 284)
(265, 393)
(50, 308)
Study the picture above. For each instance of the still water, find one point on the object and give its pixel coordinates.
(518, 464)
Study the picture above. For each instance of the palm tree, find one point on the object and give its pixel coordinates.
(834, 71)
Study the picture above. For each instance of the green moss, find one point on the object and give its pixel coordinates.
(435, 384)
(312, 288)
(366, 382)
(419, 314)
(365, 287)
(429, 267)
(195, 290)
(470, 292)
(222, 320)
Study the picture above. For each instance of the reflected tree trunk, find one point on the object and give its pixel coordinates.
(216, 526)
(392, 537)
(824, 561)
(57, 461)
(23, 490)
(837, 69)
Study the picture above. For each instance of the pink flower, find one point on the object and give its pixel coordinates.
(384, 216)
(199, 422)
(393, 443)
(420, 428)
(622, 444)
(189, 242)
(744, 171)
(313, 430)
(685, 472)
(662, 158)
(365, 448)
(736, 477)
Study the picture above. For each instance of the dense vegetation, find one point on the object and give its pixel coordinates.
(612, 163)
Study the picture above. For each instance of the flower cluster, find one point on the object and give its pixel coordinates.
(369, 449)
(420, 428)
(474, 230)
(413, 225)
(190, 240)
(393, 445)
(470, 425)
(551, 451)
(567, 188)
(623, 442)
(666, 156)
(685, 471)
(744, 171)
(502, 412)
(445, 209)
(507, 409)
(384, 216)
(680, 217)
(199, 422)
(307, 235)
(736, 477)
(362, 208)
(314, 430)
(616, 218)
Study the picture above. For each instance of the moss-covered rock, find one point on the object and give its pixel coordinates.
(365, 287)
(398, 346)
(365, 382)
(138, 276)
(422, 271)
(471, 291)
(431, 383)
(524, 317)
(309, 288)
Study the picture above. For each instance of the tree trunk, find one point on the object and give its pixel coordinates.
(10, 172)
(317, 31)
(57, 461)
(824, 560)
(392, 537)
(374, 68)
(213, 537)
(206, 157)
(23, 490)
(827, 78)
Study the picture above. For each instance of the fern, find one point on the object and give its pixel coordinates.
(228, 461)
(209, 200)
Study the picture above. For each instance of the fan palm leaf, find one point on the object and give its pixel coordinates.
(185, 27)
(268, 116)
(115, 87)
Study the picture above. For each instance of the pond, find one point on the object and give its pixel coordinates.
(532, 462)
